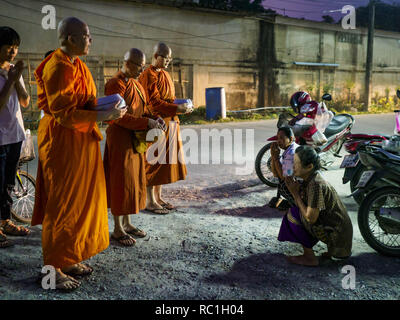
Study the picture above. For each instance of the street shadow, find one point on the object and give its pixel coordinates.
(269, 271)
(263, 212)
(264, 271)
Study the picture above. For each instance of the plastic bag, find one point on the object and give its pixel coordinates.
(323, 117)
(319, 138)
(27, 148)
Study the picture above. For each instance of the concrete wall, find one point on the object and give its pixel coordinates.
(209, 49)
(305, 41)
(251, 58)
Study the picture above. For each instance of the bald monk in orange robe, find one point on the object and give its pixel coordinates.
(70, 199)
(160, 91)
(125, 167)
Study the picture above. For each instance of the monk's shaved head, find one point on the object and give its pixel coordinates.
(134, 63)
(162, 49)
(69, 26)
(134, 55)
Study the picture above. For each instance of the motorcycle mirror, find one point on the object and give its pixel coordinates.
(327, 97)
(398, 93)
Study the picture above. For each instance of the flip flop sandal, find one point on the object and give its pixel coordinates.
(5, 244)
(13, 230)
(137, 232)
(168, 206)
(123, 240)
(158, 211)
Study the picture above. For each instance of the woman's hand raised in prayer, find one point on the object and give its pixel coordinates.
(293, 186)
(15, 72)
(275, 151)
(112, 114)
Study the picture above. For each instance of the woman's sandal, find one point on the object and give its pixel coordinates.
(11, 229)
(4, 242)
(79, 270)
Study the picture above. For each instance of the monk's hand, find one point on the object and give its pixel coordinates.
(112, 114)
(15, 72)
(292, 185)
(163, 125)
(155, 124)
(182, 108)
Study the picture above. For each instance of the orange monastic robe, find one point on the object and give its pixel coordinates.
(70, 199)
(125, 168)
(160, 91)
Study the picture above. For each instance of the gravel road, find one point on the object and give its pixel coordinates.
(220, 243)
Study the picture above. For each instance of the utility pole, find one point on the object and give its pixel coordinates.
(370, 51)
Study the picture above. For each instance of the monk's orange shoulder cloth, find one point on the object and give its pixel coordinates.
(160, 92)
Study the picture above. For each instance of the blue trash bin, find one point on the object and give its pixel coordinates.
(215, 103)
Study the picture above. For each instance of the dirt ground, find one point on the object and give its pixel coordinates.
(221, 243)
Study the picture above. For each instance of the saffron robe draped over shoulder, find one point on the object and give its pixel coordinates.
(70, 199)
(160, 92)
(125, 168)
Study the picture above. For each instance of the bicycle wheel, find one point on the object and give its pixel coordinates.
(23, 197)
(379, 220)
(263, 167)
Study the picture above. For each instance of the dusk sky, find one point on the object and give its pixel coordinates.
(315, 9)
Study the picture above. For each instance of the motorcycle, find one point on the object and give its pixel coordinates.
(379, 212)
(336, 133)
(353, 167)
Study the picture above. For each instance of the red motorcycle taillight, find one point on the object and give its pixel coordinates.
(351, 146)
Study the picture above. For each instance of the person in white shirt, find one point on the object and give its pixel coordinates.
(282, 166)
(13, 95)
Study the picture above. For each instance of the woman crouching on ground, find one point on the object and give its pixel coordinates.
(319, 214)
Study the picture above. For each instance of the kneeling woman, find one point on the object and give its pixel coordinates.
(319, 214)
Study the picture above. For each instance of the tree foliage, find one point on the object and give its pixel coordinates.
(386, 16)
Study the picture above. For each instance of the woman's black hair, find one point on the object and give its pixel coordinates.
(9, 37)
(287, 131)
(308, 155)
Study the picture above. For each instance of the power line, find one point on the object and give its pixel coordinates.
(137, 23)
(128, 36)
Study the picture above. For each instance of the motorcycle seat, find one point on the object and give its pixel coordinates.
(337, 124)
(390, 155)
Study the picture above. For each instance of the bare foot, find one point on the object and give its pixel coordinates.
(303, 260)
(66, 283)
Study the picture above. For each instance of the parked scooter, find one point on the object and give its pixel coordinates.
(351, 162)
(379, 213)
(336, 133)
(353, 167)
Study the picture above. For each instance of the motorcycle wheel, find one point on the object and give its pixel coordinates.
(381, 232)
(263, 167)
